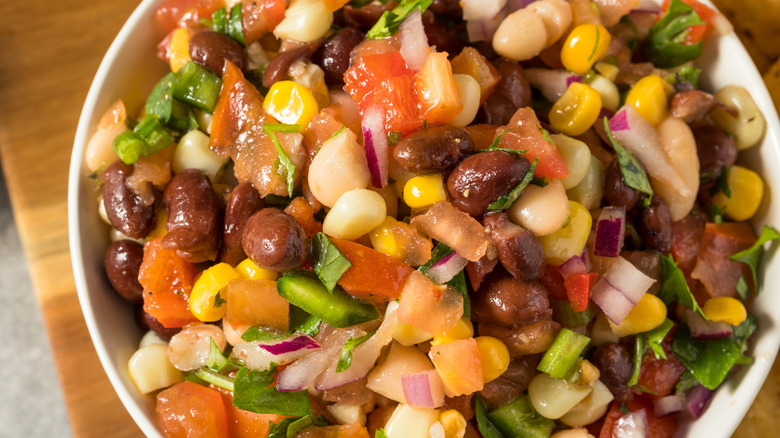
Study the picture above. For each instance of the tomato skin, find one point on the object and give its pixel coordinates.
(188, 410)
(170, 13)
(373, 275)
(686, 235)
(370, 70)
(245, 424)
(578, 287)
(167, 280)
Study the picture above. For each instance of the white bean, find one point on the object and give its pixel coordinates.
(470, 94)
(576, 155)
(749, 125)
(189, 349)
(552, 398)
(304, 21)
(590, 190)
(610, 96)
(556, 15)
(591, 408)
(679, 146)
(542, 210)
(151, 338)
(354, 214)
(521, 36)
(233, 332)
(572, 433)
(193, 152)
(338, 167)
(150, 369)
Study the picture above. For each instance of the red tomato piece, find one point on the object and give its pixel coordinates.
(658, 375)
(713, 268)
(373, 274)
(300, 209)
(167, 280)
(188, 410)
(525, 134)
(397, 98)
(370, 70)
(657, 427)
(553, 280)
(686, 235)
(459, 364)
(578, 287)
(258, 17)
(172, 13)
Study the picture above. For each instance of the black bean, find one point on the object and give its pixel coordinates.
(275, 241)
(280, 65)
(480, 179)
(334, 57)
(433, 148)
(614, 363)
(519, 250)
(244, 201)
(655, 225)
(616, 191)
(507, 301)
(716, 150)
(212, 49)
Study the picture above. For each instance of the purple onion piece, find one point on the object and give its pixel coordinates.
(612, 302)
(610, 232)
(619, 122)
(698, 399)
(290, 345)
(576, 265)
(375, 144)
(446, 268)
(702, 329)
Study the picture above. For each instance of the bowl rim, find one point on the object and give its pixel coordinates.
(746, 393)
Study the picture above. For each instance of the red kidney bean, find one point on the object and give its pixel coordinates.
(443, 35)
(244, 201)
(513, 382)
(499, 392)
(476, 271)
(655, 225)
(614, 363)
(212, 49)
(715, 148)
(124, 208)
(122, 261)
(616, 191)
(149, 322)
(333, 56)
(513, 85)
(480, 179)
(433, 148)
(278, 67)
(519, 250)
(354, 393)
(462, 404)
(194, 217)
(509, 302)
(362, 18)
(523, 340)
(275, 241)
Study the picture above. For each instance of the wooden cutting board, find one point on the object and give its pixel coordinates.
(49, 52)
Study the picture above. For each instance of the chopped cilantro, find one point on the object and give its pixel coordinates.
(752, 255)
(633, 174)
(674, 287)
(214, 378)
(506, 201)
(255, 334)
(254, 392)
(390, 21)
(328, 262)
(345, 359)
(218, 300)
(393, 137)
(217, 361)
(271, 129)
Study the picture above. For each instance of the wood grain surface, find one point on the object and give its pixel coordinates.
(49, 52)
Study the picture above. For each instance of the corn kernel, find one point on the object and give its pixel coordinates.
(585, 45)
(725, 309)
(249, 270)
(454, 424)
(609, 71)
(204, 302)
(335, 5)
(464, 329)
(290, 103)
(570, 240)
(649, 98)
(577, 110)
(383, 239)
(649, 313)
(159, 230)
(424, 190)
(495, 357)
(179, 51)
(747, 189)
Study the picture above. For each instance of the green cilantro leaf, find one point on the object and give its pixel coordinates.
(639, 353)
(633, 173)
(752, 256)
(655, 336)
(674, 287)
(270, 129)
(218, 300)
(217, 361)
(255, 334)
(279, 430)
(665, 46)
(345, 359)
(390, 21)
(393, 137)
(254, 392)
(506, 201)
(328, 262)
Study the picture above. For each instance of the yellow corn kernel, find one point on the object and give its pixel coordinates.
(383, 239)
(205, 301)
(725, 309)
(585, 45)
(161, 217)
(424, 190)
(249, 270)
(575, 111)
(747, 189)
(464, 329)
(649, 98)
(291, 103)
(570, 240)
(454, 424)
(495, 357)
(607, 70)
(179, 52)
(649, 313)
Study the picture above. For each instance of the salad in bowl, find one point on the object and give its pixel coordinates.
(430, 218)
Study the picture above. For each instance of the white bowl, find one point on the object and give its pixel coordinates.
(130, 69)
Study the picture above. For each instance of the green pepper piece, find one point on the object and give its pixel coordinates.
(519, 419)
(197, 86)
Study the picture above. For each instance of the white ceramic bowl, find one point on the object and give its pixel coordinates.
(130, 69)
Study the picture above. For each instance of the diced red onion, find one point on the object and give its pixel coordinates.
(301, 373)
(612, 302)
(698, 399)
(481, 10)
(447, 267)
(668, 405)
(290, 345)
(423, 390)
(619, 122)
(618, 291)
(375, 144)
(257, 357)
(702, 329)
(576, 265)
(633, 425)
(414, 42)
(551, 83)
(610, 232)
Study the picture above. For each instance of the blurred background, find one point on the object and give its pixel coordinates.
(53, 384)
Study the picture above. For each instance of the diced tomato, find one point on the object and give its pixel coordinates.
(718, 274)
(370, 70)
(436, 89)
(300, 209)
(578, 287)
(553, 280)
(686, 235)
(245, 424)
(525, 134)
(459, 364)
(433, 308)
(658, 375)
(188, 410)
(372, 274)
(320, 129)
(476, 271)
(256, 302)
(657, 427)
(171, 13)
(397, 98)
(259, 17)
(167, 280)
(698, 32)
